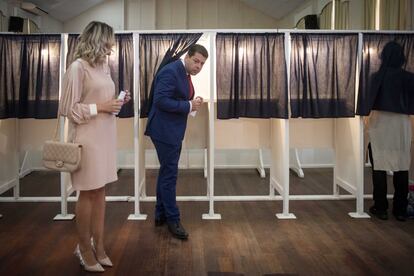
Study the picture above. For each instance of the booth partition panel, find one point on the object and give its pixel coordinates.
(252, 83)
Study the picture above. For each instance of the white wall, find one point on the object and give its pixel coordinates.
(50, 25)
(412, 14)
(229, 14)
(4, 22)
(8, 150)
(110, 12)
(173, 14)
(140, 14)
(356, 13)
(3, 6)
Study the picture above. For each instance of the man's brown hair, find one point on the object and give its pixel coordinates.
(197, 48)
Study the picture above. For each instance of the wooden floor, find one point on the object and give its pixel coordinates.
(249, 240)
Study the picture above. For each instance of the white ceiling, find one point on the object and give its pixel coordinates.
(66, 9)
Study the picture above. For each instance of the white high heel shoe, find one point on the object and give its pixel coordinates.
(91, 268)
(105, 261)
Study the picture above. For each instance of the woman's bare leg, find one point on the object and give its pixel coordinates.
(84, 208)
(98, 222)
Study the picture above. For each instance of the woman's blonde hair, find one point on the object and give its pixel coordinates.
(95, 43)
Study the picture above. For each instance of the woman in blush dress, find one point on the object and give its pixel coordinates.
(88, 101)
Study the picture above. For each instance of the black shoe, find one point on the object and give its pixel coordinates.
(379, 214)
(160, 222)
(177, 230)
(400, 217)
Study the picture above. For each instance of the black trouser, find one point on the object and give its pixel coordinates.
(379, 181)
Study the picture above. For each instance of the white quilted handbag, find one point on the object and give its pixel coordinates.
(61, 156)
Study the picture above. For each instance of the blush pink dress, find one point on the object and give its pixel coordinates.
(84, 85)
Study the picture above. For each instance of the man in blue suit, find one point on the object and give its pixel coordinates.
(167, 121)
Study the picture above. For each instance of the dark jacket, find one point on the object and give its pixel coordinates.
(167, 120)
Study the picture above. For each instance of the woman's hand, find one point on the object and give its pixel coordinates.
(127, 96)
(112, 106)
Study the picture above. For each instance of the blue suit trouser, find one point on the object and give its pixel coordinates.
(168, 156)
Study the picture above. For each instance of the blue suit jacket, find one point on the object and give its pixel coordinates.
(167, 119)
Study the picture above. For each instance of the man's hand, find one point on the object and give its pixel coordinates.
(200, 99)
(112, 106)
(196, 103)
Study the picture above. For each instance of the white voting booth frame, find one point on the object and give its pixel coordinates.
(344, 136)
(346, 139)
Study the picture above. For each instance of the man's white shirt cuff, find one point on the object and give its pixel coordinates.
(93, 109)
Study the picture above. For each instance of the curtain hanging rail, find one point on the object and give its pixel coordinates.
(263, 31)
(235, 31)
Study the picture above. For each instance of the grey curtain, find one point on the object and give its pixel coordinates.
(156, 51)
(72, 42)
(29, 77)
(251, 76)
(373, 44)
(121, 63)
(322, 75)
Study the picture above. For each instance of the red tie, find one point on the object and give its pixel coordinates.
(191, 87)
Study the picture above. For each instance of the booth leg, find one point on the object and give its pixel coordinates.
(260, 167)
(64, 199)
(211, 215)
(137, 213)
(360, 208)
(16, 189)
(285, 214)
(295, 164)
(137, 187)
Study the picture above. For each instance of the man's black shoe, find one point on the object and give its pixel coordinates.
(160, 222)
(400, 217)
(177, 230)
(379, 214)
